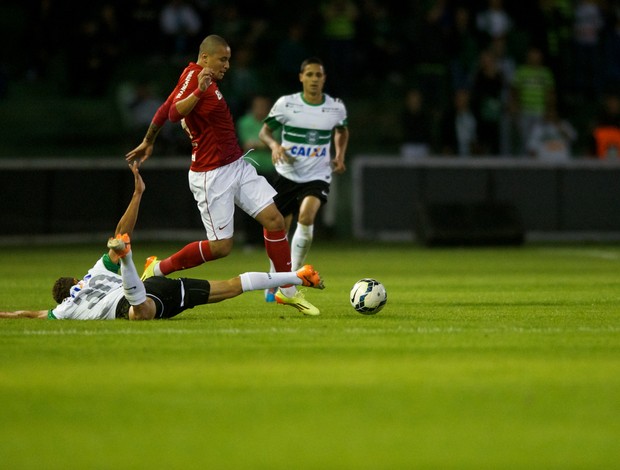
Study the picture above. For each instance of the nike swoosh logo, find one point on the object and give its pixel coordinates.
(222, 227)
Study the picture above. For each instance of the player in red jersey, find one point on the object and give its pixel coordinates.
(219, 177)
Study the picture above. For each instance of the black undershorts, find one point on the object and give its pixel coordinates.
(290, 194)
(171, 296)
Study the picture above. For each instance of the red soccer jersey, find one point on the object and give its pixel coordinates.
(210, 125)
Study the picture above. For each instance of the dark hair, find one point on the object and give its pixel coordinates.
(310, 60)
(62, 288)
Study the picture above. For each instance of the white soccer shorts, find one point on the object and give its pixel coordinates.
(218, 191)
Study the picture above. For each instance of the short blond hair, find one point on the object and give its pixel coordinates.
(210, 43)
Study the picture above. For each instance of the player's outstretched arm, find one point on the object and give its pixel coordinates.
(128, 221)
(25, 314)
(145, 149)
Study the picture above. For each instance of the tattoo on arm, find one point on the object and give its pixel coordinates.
(151, 133)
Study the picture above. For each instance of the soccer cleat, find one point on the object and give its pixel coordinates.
(121, 244)
(270, 294)
(298, 302)
(149, 268)
(310, 277)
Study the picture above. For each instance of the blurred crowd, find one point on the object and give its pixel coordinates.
(469, 77)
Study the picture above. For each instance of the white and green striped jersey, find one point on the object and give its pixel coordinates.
(95, 297)
(307, 135)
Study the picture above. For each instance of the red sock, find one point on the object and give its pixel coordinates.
(189, 256)
(278, 250)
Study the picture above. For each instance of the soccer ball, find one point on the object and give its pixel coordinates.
(368, 296)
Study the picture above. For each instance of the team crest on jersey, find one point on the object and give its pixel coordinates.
(312, 137)
(218, 94)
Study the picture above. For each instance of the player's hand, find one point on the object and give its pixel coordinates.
(205, 77)
(338, 166)
(141, 153)
(137, 177)
(279, 155)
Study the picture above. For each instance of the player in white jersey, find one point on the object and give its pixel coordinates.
(112, 288)
(311, 123)
(94, 297)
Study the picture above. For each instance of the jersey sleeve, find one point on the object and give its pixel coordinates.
(275, 118)
(343, 122)
(161, 115)
(272, 123)
(61, 311)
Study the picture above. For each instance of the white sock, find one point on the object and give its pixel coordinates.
(135, 292)
(300, 245)
(289, 291)
(259, 281)
(156, 270)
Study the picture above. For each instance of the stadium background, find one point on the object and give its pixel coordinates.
(83, 82)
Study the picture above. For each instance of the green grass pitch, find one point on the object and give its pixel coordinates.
(483, 358)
